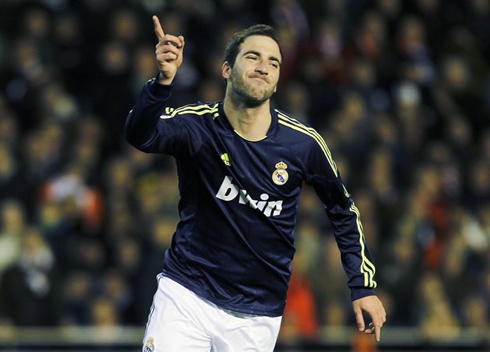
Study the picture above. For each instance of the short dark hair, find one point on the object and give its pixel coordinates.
(238, 38)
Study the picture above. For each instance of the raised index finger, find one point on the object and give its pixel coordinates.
(158, 28)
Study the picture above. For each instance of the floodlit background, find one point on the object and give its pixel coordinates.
(400, 90)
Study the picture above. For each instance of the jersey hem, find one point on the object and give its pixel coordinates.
(221, 305)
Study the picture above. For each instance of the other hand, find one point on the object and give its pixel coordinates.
(374, 308)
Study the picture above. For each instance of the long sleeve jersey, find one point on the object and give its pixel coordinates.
(234, 242)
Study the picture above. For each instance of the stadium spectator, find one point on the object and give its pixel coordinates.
(29, 292)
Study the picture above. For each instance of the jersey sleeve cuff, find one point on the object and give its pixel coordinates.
(359, 292)
(159, 90)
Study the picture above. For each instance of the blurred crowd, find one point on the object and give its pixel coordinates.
(400, 90)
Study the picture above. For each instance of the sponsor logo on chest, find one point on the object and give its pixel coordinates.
(229, 192)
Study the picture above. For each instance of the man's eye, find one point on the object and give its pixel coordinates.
(252, 57)
(274, 64)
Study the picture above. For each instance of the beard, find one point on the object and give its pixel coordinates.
(252, 95)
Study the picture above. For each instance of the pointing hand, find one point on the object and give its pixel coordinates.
(169, 53)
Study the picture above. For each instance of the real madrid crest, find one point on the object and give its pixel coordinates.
(149, 346)
(280, 176)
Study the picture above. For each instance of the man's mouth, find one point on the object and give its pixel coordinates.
(261, 79)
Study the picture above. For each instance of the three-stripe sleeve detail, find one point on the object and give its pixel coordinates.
(367, 267)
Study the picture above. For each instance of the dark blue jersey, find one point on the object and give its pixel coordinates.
(235, 240)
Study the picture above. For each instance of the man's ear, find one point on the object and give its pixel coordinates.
(225, 70)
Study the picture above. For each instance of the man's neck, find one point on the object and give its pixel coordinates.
(249, 123)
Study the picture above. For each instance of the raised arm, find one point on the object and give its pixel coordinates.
(143, 128)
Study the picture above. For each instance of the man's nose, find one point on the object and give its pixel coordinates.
(262, 68)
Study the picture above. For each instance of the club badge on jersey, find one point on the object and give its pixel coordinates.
(280, 176)
(149, 346)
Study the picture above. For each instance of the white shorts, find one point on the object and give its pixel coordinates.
(180, 321)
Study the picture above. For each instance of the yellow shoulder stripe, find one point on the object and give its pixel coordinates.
(192, 112)
(367, 268)
(196, 109)
(191, 107)
(298, 126)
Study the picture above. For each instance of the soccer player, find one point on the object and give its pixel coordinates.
(241, 165)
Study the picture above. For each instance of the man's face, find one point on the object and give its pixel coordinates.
(255, 74)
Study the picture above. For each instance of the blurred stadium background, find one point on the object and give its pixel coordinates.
(400, 90)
